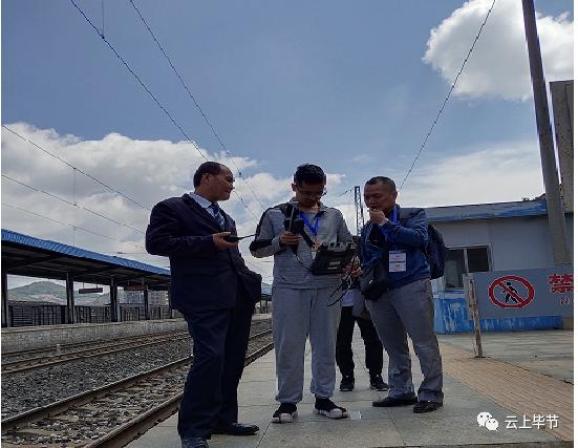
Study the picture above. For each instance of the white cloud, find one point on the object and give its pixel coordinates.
(362, 158)
(146, 171)
(499, 65)
(501, 172)
(150, 171)
(487, 173)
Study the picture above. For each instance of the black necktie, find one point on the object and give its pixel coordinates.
(217, 214)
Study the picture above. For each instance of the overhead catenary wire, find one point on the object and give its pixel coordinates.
(92, 232)
(154, 98)
(445, 102)
(71, 203)
(193, 99)
(345, 192)
(70, 165)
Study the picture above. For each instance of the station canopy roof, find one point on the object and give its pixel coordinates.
(33, 257)
(499, 210)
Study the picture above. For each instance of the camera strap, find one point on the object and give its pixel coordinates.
(313, 227)
(288, 209)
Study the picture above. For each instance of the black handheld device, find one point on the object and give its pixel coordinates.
(293, 222)
(332, 258)
(236, 238)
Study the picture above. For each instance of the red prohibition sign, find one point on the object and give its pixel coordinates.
(500, 284)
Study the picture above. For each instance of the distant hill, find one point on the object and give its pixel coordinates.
(49, 292)
(38, 288)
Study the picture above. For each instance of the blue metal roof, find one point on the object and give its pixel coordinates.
(500, 210)
(9, 236)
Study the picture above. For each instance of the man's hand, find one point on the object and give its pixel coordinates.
(353, 269)
(377, 217)
(221, 243)
(289, 239)
(355, 273)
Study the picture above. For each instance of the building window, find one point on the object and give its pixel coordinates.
(465, 261)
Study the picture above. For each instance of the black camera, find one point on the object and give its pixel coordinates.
(293, 222)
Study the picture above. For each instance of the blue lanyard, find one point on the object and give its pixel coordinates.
(394, 219)
(315, 227)
(394, 216)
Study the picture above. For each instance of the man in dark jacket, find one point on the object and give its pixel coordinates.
(216, 293)
(398, 238)
(344, 352)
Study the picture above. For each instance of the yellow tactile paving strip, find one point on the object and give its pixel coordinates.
(531, 394)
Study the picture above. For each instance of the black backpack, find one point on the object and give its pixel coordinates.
(435, 251)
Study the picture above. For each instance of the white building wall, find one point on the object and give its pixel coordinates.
(514, 243)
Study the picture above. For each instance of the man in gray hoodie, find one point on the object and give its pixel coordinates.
(303, 303)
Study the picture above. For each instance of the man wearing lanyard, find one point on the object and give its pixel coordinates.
(398, 238)
(303, 304)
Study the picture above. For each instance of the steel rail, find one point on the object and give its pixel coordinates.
(61, 406)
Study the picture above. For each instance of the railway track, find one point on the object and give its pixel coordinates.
(21, 355)
(112, 415)
(30, 363)
(27, 360)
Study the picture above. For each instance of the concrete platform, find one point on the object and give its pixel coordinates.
(547, 352)
(28, 338)
(453, 425)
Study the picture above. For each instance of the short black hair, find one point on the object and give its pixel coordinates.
(311, 174)
(206, 168)
(382, 180)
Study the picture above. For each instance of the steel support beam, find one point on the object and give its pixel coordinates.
(70, 315)
(145, 293)
(6, 321)
(171, 303)
(114, 305)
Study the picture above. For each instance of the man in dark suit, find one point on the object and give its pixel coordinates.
(216, 293)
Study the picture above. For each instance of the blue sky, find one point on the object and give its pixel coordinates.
(341, 84)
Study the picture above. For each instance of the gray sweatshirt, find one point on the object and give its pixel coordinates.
(290, 270)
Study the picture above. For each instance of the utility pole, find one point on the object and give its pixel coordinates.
(556, 217)
(359, 220)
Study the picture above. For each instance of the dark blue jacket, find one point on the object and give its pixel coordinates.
(408, 234)
(202, 277)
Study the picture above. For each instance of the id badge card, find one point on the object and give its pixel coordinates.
(397, 261)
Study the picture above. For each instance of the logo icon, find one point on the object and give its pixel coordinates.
(486, 419)
(511, 291)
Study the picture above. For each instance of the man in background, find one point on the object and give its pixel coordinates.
(373, 347)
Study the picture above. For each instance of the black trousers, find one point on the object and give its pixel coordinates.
(220, 339)
(373, 347)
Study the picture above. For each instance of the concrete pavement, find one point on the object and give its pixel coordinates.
(517, 383)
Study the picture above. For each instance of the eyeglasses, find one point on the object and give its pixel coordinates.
(312, 194)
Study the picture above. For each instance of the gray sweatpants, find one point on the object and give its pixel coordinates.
(403, 311)
(298, 313)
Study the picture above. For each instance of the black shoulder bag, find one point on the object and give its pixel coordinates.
(373, 280)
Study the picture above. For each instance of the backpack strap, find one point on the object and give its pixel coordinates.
(258, 244)
(406, 213)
